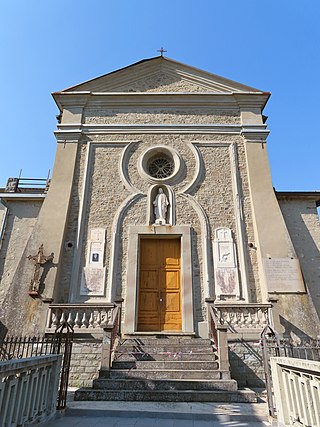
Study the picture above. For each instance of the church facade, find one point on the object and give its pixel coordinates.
(161, 201)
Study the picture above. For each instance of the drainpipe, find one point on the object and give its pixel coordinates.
(3, 221)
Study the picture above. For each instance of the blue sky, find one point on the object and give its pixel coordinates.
(46, 46)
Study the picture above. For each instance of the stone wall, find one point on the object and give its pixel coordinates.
(106, 191)
(85, 362)
(22, 216)
(297, 316)
(246, 364)
(161, 116)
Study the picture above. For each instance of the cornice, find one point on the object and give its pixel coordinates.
(255, 133)
(68, 133)
(22, 196)
(161, 99)
(73, 132)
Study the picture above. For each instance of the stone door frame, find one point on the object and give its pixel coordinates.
(132, 288)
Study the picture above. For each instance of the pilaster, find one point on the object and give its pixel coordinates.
(50, 228)
(272, 239)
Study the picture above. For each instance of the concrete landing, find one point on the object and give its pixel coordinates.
(161, 414)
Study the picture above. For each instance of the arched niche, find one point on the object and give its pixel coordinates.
(171, 212)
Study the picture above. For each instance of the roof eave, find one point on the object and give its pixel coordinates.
(307, 195)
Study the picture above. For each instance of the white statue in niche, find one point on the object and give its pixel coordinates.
(160, 204)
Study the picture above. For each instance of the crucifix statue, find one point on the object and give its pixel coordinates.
(38, 261)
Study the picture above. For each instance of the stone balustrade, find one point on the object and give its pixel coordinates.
(84, 318)
(243, 316)
(28, 389)
(296, 385)
(218, 333)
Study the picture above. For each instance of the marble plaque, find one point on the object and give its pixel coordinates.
(92, 282)
(225, 265)
(93, 275)
(226, 279)
(283, 275)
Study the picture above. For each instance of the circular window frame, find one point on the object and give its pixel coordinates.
(143, 163)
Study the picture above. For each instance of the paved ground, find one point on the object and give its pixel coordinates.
(160, 414)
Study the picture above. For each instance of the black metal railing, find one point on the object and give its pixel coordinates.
(33, 185)
(21, 347)
(15, 347)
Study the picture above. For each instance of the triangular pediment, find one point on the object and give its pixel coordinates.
(161, 74)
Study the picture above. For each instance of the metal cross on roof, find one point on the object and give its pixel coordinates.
(161, 50)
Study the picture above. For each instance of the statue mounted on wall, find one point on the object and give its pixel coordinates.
(160, 204)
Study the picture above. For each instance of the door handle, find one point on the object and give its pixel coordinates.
(160, 296)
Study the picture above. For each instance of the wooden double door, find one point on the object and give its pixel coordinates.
(159, 304)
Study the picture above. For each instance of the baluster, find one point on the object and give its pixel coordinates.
(70, 319)
(55, 319)
(263, 317)
(85, 322)
(232, 318)
(98, 319)
(91, 320)
(257, 319)
(251, 316)
(62, 318)
(77, 320)
(227, 316)
(239, 317)
(109, 316)
(245, 315)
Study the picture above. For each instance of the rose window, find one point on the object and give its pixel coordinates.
(160, 164)
(161, 167)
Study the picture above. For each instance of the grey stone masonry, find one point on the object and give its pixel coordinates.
(246, 364)
(85, 362)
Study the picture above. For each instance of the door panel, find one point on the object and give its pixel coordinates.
(159, 287)
(148, 279)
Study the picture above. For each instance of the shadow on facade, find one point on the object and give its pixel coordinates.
(198, 316)
(294, 333)
(246, 364)
(3, 331)
(306, 248)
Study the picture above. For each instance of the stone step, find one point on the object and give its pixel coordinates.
(165, 341)
(165, 396)
(167, 364)
(167, 348)
(147, 384)
(121, 356)
(165, 374)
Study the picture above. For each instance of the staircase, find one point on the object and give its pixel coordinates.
(165, 369)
